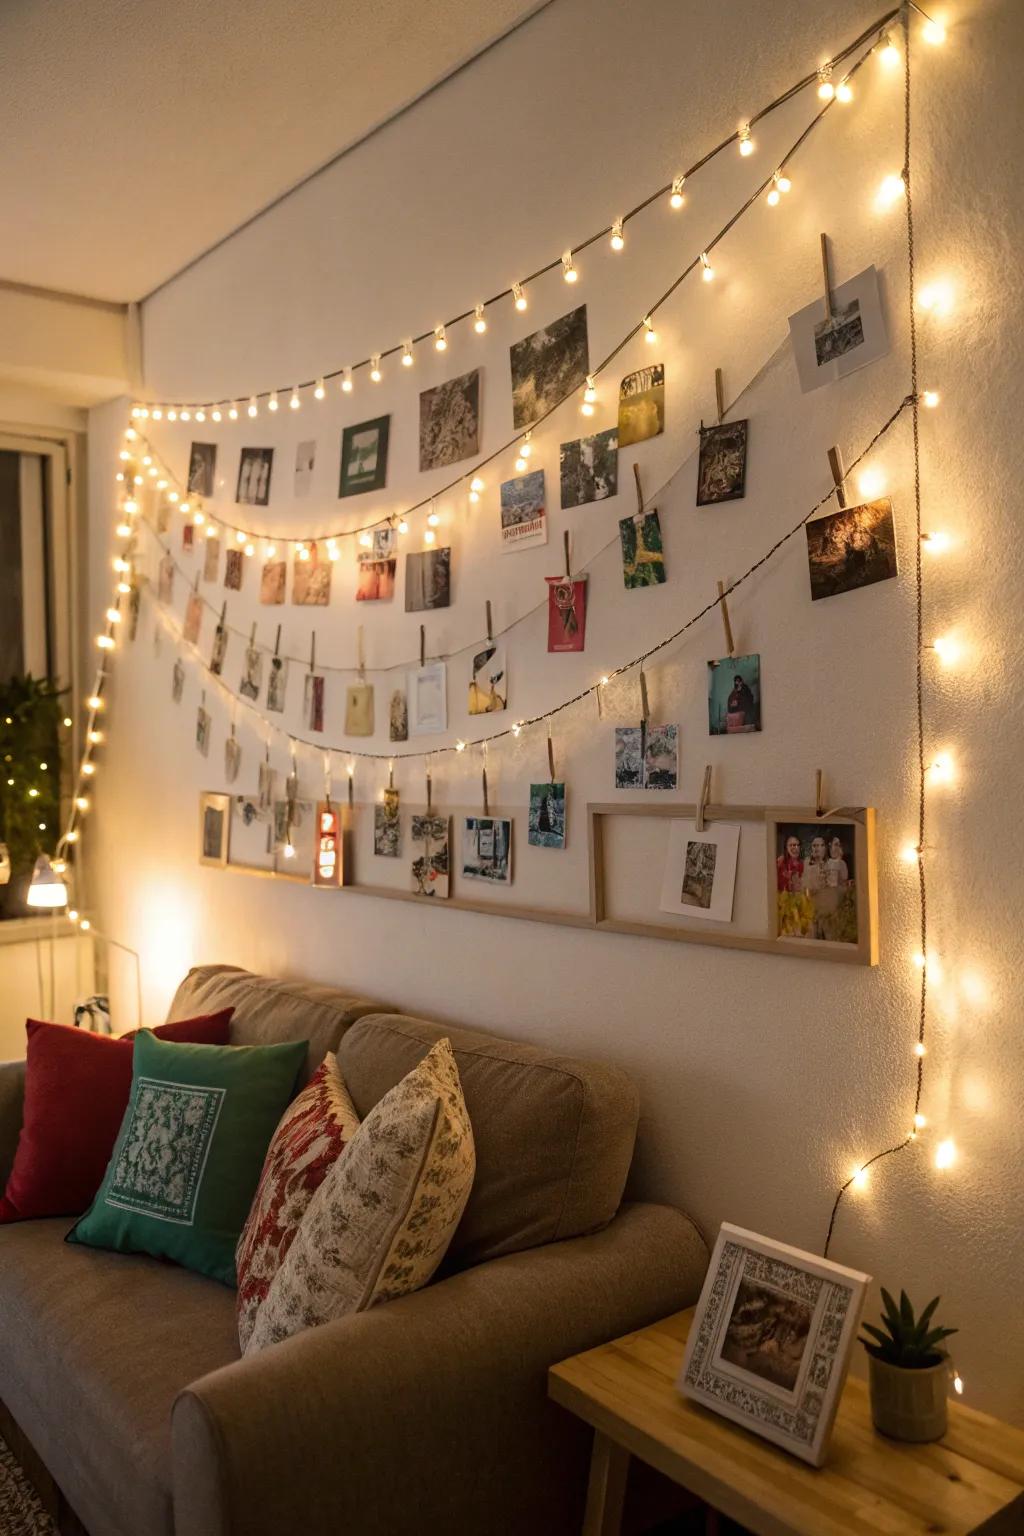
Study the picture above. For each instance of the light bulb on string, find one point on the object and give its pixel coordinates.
(910, 853)
(746, 144)
(123, 530)
(941, 769)
(403, 526)
(618, 239)
(933, 32)
(518, 296)
(707, 270)
(124, 588)
(293, 400)
(249, 550)
(200, 415)
(844, 92)
(936, 542)
(240, 537)
(589, 396)
(158, 414)
(930, 398)
(346, 382)
(272, 403)
(270, 550)
(232, 412)
(302, 552)
(569, 271)
(429, 536)
(945, 1153)
(479, 322)
(650, 334)
(407, 354)
(920, 1121)
(947, 648)
(826, 90)
(920, 1049)
(432, 519)
(333, 553)
(859, 1177)
(892, 189)
(888, 53)
(871, 484)
(185, 415)
(440, 339)
(366, 539)
(94, 702)
(318, 390)
(476, 485)
(676, 197)
(252, 409)
(215, 414)
(198, 519)
(936, 297)
(113, 616)
(375, 373)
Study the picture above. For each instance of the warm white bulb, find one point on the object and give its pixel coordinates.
(88, 769)
(433, 519)
(871, 484)
(158, 414)
(94, 702)
(920, 1121)
(252, 407)
(272, 403)
(249, 550)
(403, 526)
(429, 536)
(521, 465)
(270, 551)
(294, 402)
(859, 1178)
(526, 447)
(519, 297)
(844, 92)
(233, 412)
(958, 1384)
(934, 32)
(406, 354)
(941, 770)
(930, 398)
(590, 392)
(474, 496)
(773, 196)
(240, 537)
(826, 90)
(288, 850)
(215, 415)
(375, 373)
(113, 616)
(947, 649)
(440, 339)
(936, 297)
(936, 542)
(910, 853)
(618, 239)
(568, 268)
(476, 484)
(945, 1153)
(707, 270)
(319, 391)
(892, 189)
(460, 746)
(480, 323)
(200, 415)
(651, 335)
(920, 1049)
(783, 182)
(123, 530)
(365, 539)
(676, 198)
(746, 142)
(346, 381)
(186, 415)
(888, 53)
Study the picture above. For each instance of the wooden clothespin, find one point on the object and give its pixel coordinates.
(835, 464)
(430, 789)
(568, 563)
(223, 613)
(639, 491)
(490, 626)
(645, 711)
(719, 395)
(423, 647)
(483, 777)
(252, 637)
(551, 757)
(730, 644)
(360, 653)
(827, 275)
(195, 584)
(312, 651)
(705, 794)
(351, 782)
(277, 642)
(391, 774)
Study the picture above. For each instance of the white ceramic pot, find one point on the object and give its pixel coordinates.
(908, 1404)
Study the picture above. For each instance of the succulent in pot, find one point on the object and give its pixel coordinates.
(908, 1369)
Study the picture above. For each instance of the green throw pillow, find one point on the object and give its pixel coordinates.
(190, 1151)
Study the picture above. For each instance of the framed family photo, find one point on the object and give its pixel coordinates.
(823, 883)
(770, 1342)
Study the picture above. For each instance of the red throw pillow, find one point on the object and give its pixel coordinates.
(77, 1087)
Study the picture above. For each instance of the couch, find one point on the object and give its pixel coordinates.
(425, 1415)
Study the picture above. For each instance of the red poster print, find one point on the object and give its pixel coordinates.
(567, 612)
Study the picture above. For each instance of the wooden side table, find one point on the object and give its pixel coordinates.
(970, 1482)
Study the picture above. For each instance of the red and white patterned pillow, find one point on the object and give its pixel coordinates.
(313, 1132)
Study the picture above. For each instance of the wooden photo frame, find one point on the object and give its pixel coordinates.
(214, 828)
(823, 883)
(771, 1339)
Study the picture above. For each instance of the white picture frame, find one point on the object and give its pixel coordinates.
(700, 892)
(770, 1342)
(828, 348)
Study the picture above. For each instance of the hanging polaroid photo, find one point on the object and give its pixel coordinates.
(359, 709)
(431, 862)
(547, 816)
(188, 538)
(193, 618)
(364, 457)
(265, 787)
(734, 696)
(277, 682)
(829, 345)
(202, 464)
(254, 468)
(646, 757)
(211, 558)
(398, 716)
(220, 646)
(214, 828)
(488, 686)
(272, 581)
(252, 673)
(165, 580)
(387, 826)
(487, 849)
(428, 579)
(427, 694)
(567, 613)
(177, 680)
(589, 468)
(643, 558)
(548, 366)
(311, 578)
(313, 701)
(203, 730)
(234, 565)
(305, 462)
(850, 548)
(700, 870)
(232, 757)
(722, 463)
(642, 405)
(376, 567)
(523, 517)
(450, 421)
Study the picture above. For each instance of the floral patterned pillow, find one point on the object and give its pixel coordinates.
(381, 1221)
(313, 1132)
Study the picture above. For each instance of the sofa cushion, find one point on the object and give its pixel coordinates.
(94, 1348)
(268, 1010)
(554, 1136)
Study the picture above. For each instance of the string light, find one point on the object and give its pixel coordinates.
(888, 53)
(708, 271)
(937, 297)
(676, 198)
(941, 770)
(113, 616)
(94, 702)
(934, 32)
(403, 526)
(651, 335)
(375, 373)
(948, 649)
(618, 239)
(526, 448)
(366, 539)
(429, 536)
(844, 92)
(272, 403)
(346, 381)
(569, 267)
(892, 189)
(233, 412)
(518, 296)
(910, 853)
(930, 398)
(432, 519)
(589, 396)
(406, 354)
(158, 414)
(920, 1121)
(945, 1153)
(859, 1178)
(318, 390)
(871, 484)
(746, 142)
(440, 339)
(479, 322)
(185, 414)
(826, 90)
(105, 642)
(252, 408)
(200, 415)
(215, 414)
(958, 1384)
(920, 1049)
(239, 537)
(936, 541)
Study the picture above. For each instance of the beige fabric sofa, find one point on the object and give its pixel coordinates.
(426, 1415)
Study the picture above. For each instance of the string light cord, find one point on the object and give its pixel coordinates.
(914, 401)
(553, 265)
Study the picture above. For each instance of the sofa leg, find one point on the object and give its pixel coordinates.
(606, 1488)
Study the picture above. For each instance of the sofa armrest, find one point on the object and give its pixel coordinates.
(430, 1413)
(12, 1104)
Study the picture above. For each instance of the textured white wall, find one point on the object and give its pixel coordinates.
(763, 1080)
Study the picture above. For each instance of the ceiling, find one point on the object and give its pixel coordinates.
(136, 134)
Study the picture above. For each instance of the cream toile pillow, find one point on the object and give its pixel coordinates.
(381, 1221)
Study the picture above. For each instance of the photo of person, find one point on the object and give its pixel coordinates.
(734, 695)
(816, 896)
(254, 468)
(202, 463)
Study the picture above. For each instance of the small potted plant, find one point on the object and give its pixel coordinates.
(908, 1370)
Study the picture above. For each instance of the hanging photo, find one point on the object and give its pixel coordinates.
(165, 580)
(264, 788)
(203, 730)
(428, 699)
(700, 870)
(817, 882)
(364, 457)
(387, 826)
(646, 757)
(450, 421)
(428, 579)
(234, 565)
(305, 463)
(523, 519)
(188, 538)
(589, 468)
(220, 646)
(329, 846)
(277, 682)
(398, 716)
(547, 816)
(829, 346)
(232, 758)
(548, 366)
(488, 686)
(202, 464)
(214, 824)
(722, 464)
(359, 709)
(252, 673)
(642, 405)
(313, 701)
(311, 578)
(643, 559)
(177, 680)
(429, 836)
(377, 566)
(193, 618)
(487, 849)
(734, 695)
(273, 579)
(567, 612)
(254, 468)
(211, 558)
(850, 548)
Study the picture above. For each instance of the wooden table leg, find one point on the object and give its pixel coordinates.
(606, 1489)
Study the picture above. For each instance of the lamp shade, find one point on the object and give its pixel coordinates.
(46, 889)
